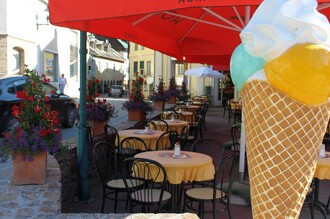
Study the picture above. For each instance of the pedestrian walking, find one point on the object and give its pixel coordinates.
(63, 82)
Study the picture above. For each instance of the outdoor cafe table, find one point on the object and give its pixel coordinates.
(192, 108)
(189, 167)
(187, 115)
(322, 172)
(175, 125)
(149, 138)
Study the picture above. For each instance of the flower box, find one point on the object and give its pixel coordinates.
(29, 172)
(171, 100)
(159, 104)
(136, 115)
(97, 127)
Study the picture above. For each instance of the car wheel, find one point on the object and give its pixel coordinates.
(12, 123)
(70, 117)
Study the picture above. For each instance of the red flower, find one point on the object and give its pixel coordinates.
(43, 132)
(37, 109)
(47, 98)
(52, 92)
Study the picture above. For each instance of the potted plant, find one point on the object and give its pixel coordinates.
(159, 97)
(183, 92)
(98, 111)
(36, 133)
(172, 92)
(136, 106)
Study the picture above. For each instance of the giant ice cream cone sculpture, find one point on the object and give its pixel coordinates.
(285, 86)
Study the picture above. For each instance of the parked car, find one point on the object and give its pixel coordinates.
(116, 90)
(65, 105)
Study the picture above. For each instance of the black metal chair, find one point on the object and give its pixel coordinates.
(217, 192)
(167, 140)
(161, 125)
(152, 196)
(143, 123)
(104, 155)
(211, 147)
(176, 115)
(131, 146)
(111, 135)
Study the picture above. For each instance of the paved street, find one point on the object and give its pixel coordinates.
(116, 102)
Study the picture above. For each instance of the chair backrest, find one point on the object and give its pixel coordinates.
(182, 107)
(236, 136)
(111, 135)
(143, 123)
(106, 162)
(176, 115)
(211, 147)
(152, 173)
(225, 174)
(161, 125)
(167, 140)
(130, 146)
(196, 130)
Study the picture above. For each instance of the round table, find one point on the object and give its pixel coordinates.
(148, 138)
(175, 125)
(193, 167)
(192, 108)
(323, 167)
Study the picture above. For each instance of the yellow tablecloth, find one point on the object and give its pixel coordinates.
(197, 167)
(149, 139)
(323, 167)
(176, 125)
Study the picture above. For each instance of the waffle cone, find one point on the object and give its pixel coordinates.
(283, 137)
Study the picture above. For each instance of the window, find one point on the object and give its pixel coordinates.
(180, 69)
(135, 67)
(142, 66)
(50, 60)
(142, 47)
(136, 47)
(73, 61)
(16, 86)
(16, 60)
(148, 67)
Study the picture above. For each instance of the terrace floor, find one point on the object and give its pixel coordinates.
(217, 128)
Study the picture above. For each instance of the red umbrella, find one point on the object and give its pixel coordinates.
(195, 31)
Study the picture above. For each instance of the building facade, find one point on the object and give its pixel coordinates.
(155, 65)
(27, 38)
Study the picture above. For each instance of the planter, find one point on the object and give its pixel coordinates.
(136, 115)
(171, 100)
(158, 105)
(98, 128)
(29, 172)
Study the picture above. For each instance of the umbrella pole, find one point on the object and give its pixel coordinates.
(83, 147)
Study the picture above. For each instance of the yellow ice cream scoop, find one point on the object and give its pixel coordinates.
(302, 72)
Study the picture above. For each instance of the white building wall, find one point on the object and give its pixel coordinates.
(19, 29)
